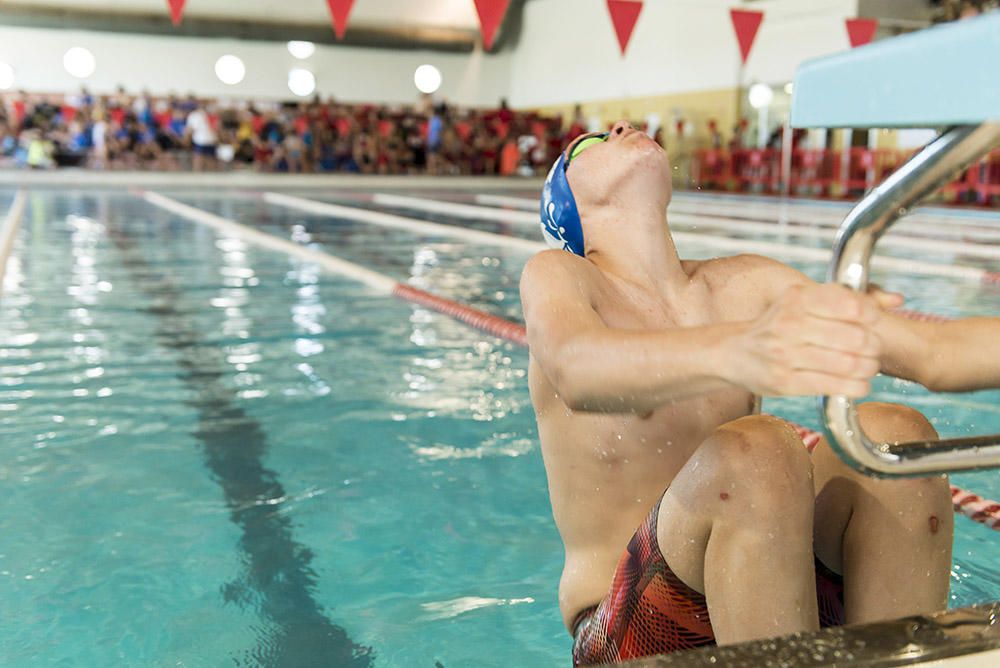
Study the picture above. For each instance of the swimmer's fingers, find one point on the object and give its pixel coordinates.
(886, 300)
(836, 302)
(835, 363)
(841, 336)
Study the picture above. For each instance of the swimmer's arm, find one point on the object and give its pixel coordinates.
(600, 369)
(789, 350)
(954, 356)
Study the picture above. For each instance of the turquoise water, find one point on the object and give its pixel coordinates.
(217, 455)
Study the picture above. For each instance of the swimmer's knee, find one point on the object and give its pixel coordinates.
(759, 462)
(894, 423)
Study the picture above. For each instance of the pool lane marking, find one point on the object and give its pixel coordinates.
(399, 222)
(374, 280)
(797, 230)
(901, 265)
(278, 572)
(983, 511)
(379, 283)
(915, 226)
(11, 224)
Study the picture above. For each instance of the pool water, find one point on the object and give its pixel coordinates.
(217, 455)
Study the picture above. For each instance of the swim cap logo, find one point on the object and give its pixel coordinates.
(553, 230)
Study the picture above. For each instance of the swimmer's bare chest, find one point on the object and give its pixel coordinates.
(607, 470)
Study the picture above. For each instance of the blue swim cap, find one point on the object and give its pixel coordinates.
(560, 218)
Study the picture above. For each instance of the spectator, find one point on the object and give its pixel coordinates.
(203, 140)
(150, 132)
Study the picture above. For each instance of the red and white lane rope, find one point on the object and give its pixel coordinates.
(964, 502)
(971, 505)
(380, 283)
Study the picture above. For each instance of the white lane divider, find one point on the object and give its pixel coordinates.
(381, 284)
(11, 223)
(829, 212)
(889, 241)
(922, 225)
(455, 209)
(376, 281)
(705, 240)
(399, 222)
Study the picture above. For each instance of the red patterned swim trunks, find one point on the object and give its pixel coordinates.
(650, 611)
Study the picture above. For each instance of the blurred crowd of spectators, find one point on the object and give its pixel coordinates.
(954, 10)
(125, 131)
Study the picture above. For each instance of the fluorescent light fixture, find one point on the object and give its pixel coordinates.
(301, 82)
(427, 79)
(79, 62)
(230, 69)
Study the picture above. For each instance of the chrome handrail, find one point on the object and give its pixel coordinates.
(865, 224)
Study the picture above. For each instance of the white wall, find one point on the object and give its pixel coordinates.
(182, 65)
(568, 51)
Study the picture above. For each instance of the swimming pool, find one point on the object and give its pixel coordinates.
(217, 454)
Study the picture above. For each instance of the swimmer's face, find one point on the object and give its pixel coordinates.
(607, 168)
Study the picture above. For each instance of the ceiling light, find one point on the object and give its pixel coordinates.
(79, 62)
(300, 49)
(301, 82)
(760, 95)
(230, 70)
(427, 79)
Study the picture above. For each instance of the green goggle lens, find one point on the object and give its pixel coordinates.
(585, 144)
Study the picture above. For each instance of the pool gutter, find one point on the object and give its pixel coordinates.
(963, 637)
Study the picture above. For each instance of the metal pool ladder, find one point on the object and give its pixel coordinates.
(919, 80)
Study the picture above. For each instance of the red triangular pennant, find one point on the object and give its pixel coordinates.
(176, 10)
(745, 23)
(861, 31)
(624, 14)
(340, 10)
(491, 13)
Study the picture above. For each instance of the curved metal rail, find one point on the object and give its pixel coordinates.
(921, 175)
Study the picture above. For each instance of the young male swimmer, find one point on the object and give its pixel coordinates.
(644, 374)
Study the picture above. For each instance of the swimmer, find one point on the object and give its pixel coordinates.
(954, 356)
(687, 517)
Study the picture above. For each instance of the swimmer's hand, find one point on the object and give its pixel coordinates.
(887, 301)
(815, 339)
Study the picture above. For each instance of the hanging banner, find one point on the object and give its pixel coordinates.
(491, 13)
(176, 10)
(340, 10)
(624, 14)
(861, 31)
(745, 23)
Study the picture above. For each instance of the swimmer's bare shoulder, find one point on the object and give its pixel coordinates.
(746, 284)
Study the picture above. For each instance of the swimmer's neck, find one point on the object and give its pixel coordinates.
(635, 248)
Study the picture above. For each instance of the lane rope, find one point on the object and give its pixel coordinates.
(984, 229)
(380, 283)
(772, 248)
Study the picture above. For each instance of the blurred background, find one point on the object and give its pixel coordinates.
(447, 87)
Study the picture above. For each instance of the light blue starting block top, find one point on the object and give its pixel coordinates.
(945, 75)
